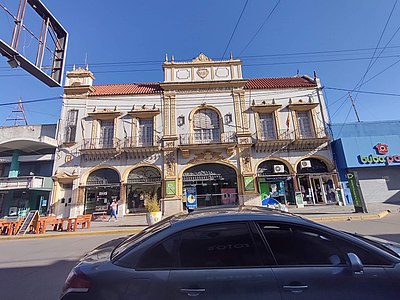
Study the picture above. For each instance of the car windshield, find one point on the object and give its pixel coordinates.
(140, 237)
(388, 246)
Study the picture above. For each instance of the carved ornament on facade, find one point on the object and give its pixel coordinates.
(202, 72)
(170, 163)
(201, 58)
(245, 158)
(207, 156)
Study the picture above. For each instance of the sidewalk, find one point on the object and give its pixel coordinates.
(134, 223)
(326, 213)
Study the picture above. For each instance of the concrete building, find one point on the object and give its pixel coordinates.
(26, 167)
(204, 132)
(372, 151)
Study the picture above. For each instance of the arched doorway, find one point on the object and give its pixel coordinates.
(102, 186)
(140, 181)
(214, 184)
(316, 182)
(275, 181)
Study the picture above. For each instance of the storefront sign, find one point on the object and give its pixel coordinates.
(170, 186)
(356, 194)
(191, 197)
(248, 183)
(380, 157)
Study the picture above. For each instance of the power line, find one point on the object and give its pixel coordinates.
(32, 101)
(360, 83)
(259, 29)
(363, 92)
(234, 30)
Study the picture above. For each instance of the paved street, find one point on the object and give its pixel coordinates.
(35, 268)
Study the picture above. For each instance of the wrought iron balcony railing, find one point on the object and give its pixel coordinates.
(318, 133)
(139, 141)
(276, 135)
(205, 138)
(100, 143)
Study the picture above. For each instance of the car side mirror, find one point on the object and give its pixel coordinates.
(355, 263)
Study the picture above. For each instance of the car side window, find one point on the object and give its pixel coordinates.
(367, 258)
(218, 245)
(160, 256)
(294, 245)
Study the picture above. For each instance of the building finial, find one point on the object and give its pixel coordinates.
(73, 67)
(172, 58)
(166, 56)
(87, 67)
(231, 56)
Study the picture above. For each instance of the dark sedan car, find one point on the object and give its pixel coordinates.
(238, 253)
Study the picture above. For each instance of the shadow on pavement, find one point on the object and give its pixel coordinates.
(41, 282)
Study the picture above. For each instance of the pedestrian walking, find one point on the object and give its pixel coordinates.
(113, 208)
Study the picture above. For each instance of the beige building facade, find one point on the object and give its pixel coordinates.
(204, 136)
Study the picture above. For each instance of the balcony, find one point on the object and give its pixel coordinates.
(137, 147)
(225, 140)
(100, 148)
(205, 139)
(26, 182)
(310, 140)
(274, 140)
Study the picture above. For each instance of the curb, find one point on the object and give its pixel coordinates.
(69, 234)
(351, 218)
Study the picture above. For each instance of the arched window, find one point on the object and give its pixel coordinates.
(206, 126)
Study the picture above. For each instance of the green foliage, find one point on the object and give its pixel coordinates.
(151, 203)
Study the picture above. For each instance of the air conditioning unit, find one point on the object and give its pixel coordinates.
(305, 164)
(279, 169)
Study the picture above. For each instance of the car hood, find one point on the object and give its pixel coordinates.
(102, 252)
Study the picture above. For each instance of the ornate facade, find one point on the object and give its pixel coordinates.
(203, 131)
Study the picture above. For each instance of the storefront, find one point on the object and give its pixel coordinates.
(371, 150)
(101, 188)
(141, 181)
(18, 202)
(316, 182)
(212, 184)
(275, 181)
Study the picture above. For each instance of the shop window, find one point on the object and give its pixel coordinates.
(267, 126)
(206, 126)
(70, 130)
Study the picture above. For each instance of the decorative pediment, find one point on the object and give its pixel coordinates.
(105, 113)
(201, 58)
(65, 177)
(302, 105)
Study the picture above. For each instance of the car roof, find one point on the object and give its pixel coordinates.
(233, 213)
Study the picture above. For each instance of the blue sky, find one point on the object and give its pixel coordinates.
(127, 41)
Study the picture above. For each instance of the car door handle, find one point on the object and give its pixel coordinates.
(192, 292)
(295, 288)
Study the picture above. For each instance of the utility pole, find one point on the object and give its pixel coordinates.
(354, 107)
(19, 109)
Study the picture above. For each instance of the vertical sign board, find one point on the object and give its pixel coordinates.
(299, 199)
(191, 197)
(356, 194)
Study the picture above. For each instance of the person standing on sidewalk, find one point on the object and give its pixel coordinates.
(113, 208)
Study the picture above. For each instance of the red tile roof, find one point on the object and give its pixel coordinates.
(154, 87)
(275, 83)
(126, 89)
